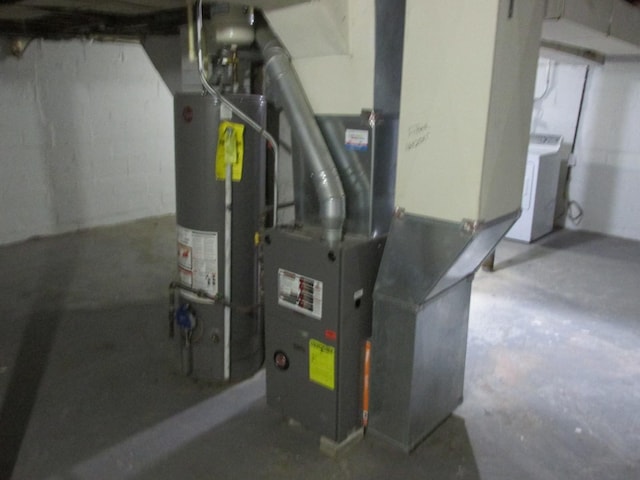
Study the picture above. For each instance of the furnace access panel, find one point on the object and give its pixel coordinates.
(318, 304)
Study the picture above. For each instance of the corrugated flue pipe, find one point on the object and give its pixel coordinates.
(296, 106)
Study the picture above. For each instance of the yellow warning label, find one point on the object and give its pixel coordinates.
(322, 360)
(230, 150)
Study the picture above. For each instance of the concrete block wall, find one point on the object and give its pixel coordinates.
(605, 178)
(557, 100)
(86, 138)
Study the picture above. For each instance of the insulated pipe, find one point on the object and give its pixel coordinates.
(303, 123)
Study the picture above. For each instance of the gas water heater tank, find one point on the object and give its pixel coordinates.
(200, 215)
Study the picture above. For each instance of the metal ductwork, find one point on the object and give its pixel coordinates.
(303, 123)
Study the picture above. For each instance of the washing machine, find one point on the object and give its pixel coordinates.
(539, 190)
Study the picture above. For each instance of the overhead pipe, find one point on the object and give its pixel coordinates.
(296, 106)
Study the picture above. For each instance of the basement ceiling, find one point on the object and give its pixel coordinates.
(73, 18)
(58, 19)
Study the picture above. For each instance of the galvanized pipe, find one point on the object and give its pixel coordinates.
(357, 184)
(303, 123)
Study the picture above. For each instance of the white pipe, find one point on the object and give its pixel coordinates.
(228, 191)
(228, 212)
(192, 49)
(239, 113)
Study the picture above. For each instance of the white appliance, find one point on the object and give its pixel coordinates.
(539, 190)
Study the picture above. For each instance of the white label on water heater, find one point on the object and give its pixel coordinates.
(198, 259)
(299, 293)
(225, 112)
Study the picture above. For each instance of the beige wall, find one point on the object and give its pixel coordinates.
(332, 46)
(468, 79)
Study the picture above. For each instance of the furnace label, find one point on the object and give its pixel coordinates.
(198, 259)
(299, 293)
(357, 140)
(322, 361)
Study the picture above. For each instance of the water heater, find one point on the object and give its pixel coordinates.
(200, 301)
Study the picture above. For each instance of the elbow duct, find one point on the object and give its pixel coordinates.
(355, 181)
(303, 123)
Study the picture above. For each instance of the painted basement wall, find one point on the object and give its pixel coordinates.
(557, 100)
(606, 178)
(605, 181)
(86, 138)
(555, 111)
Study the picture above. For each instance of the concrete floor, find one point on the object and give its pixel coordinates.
(89, 386)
